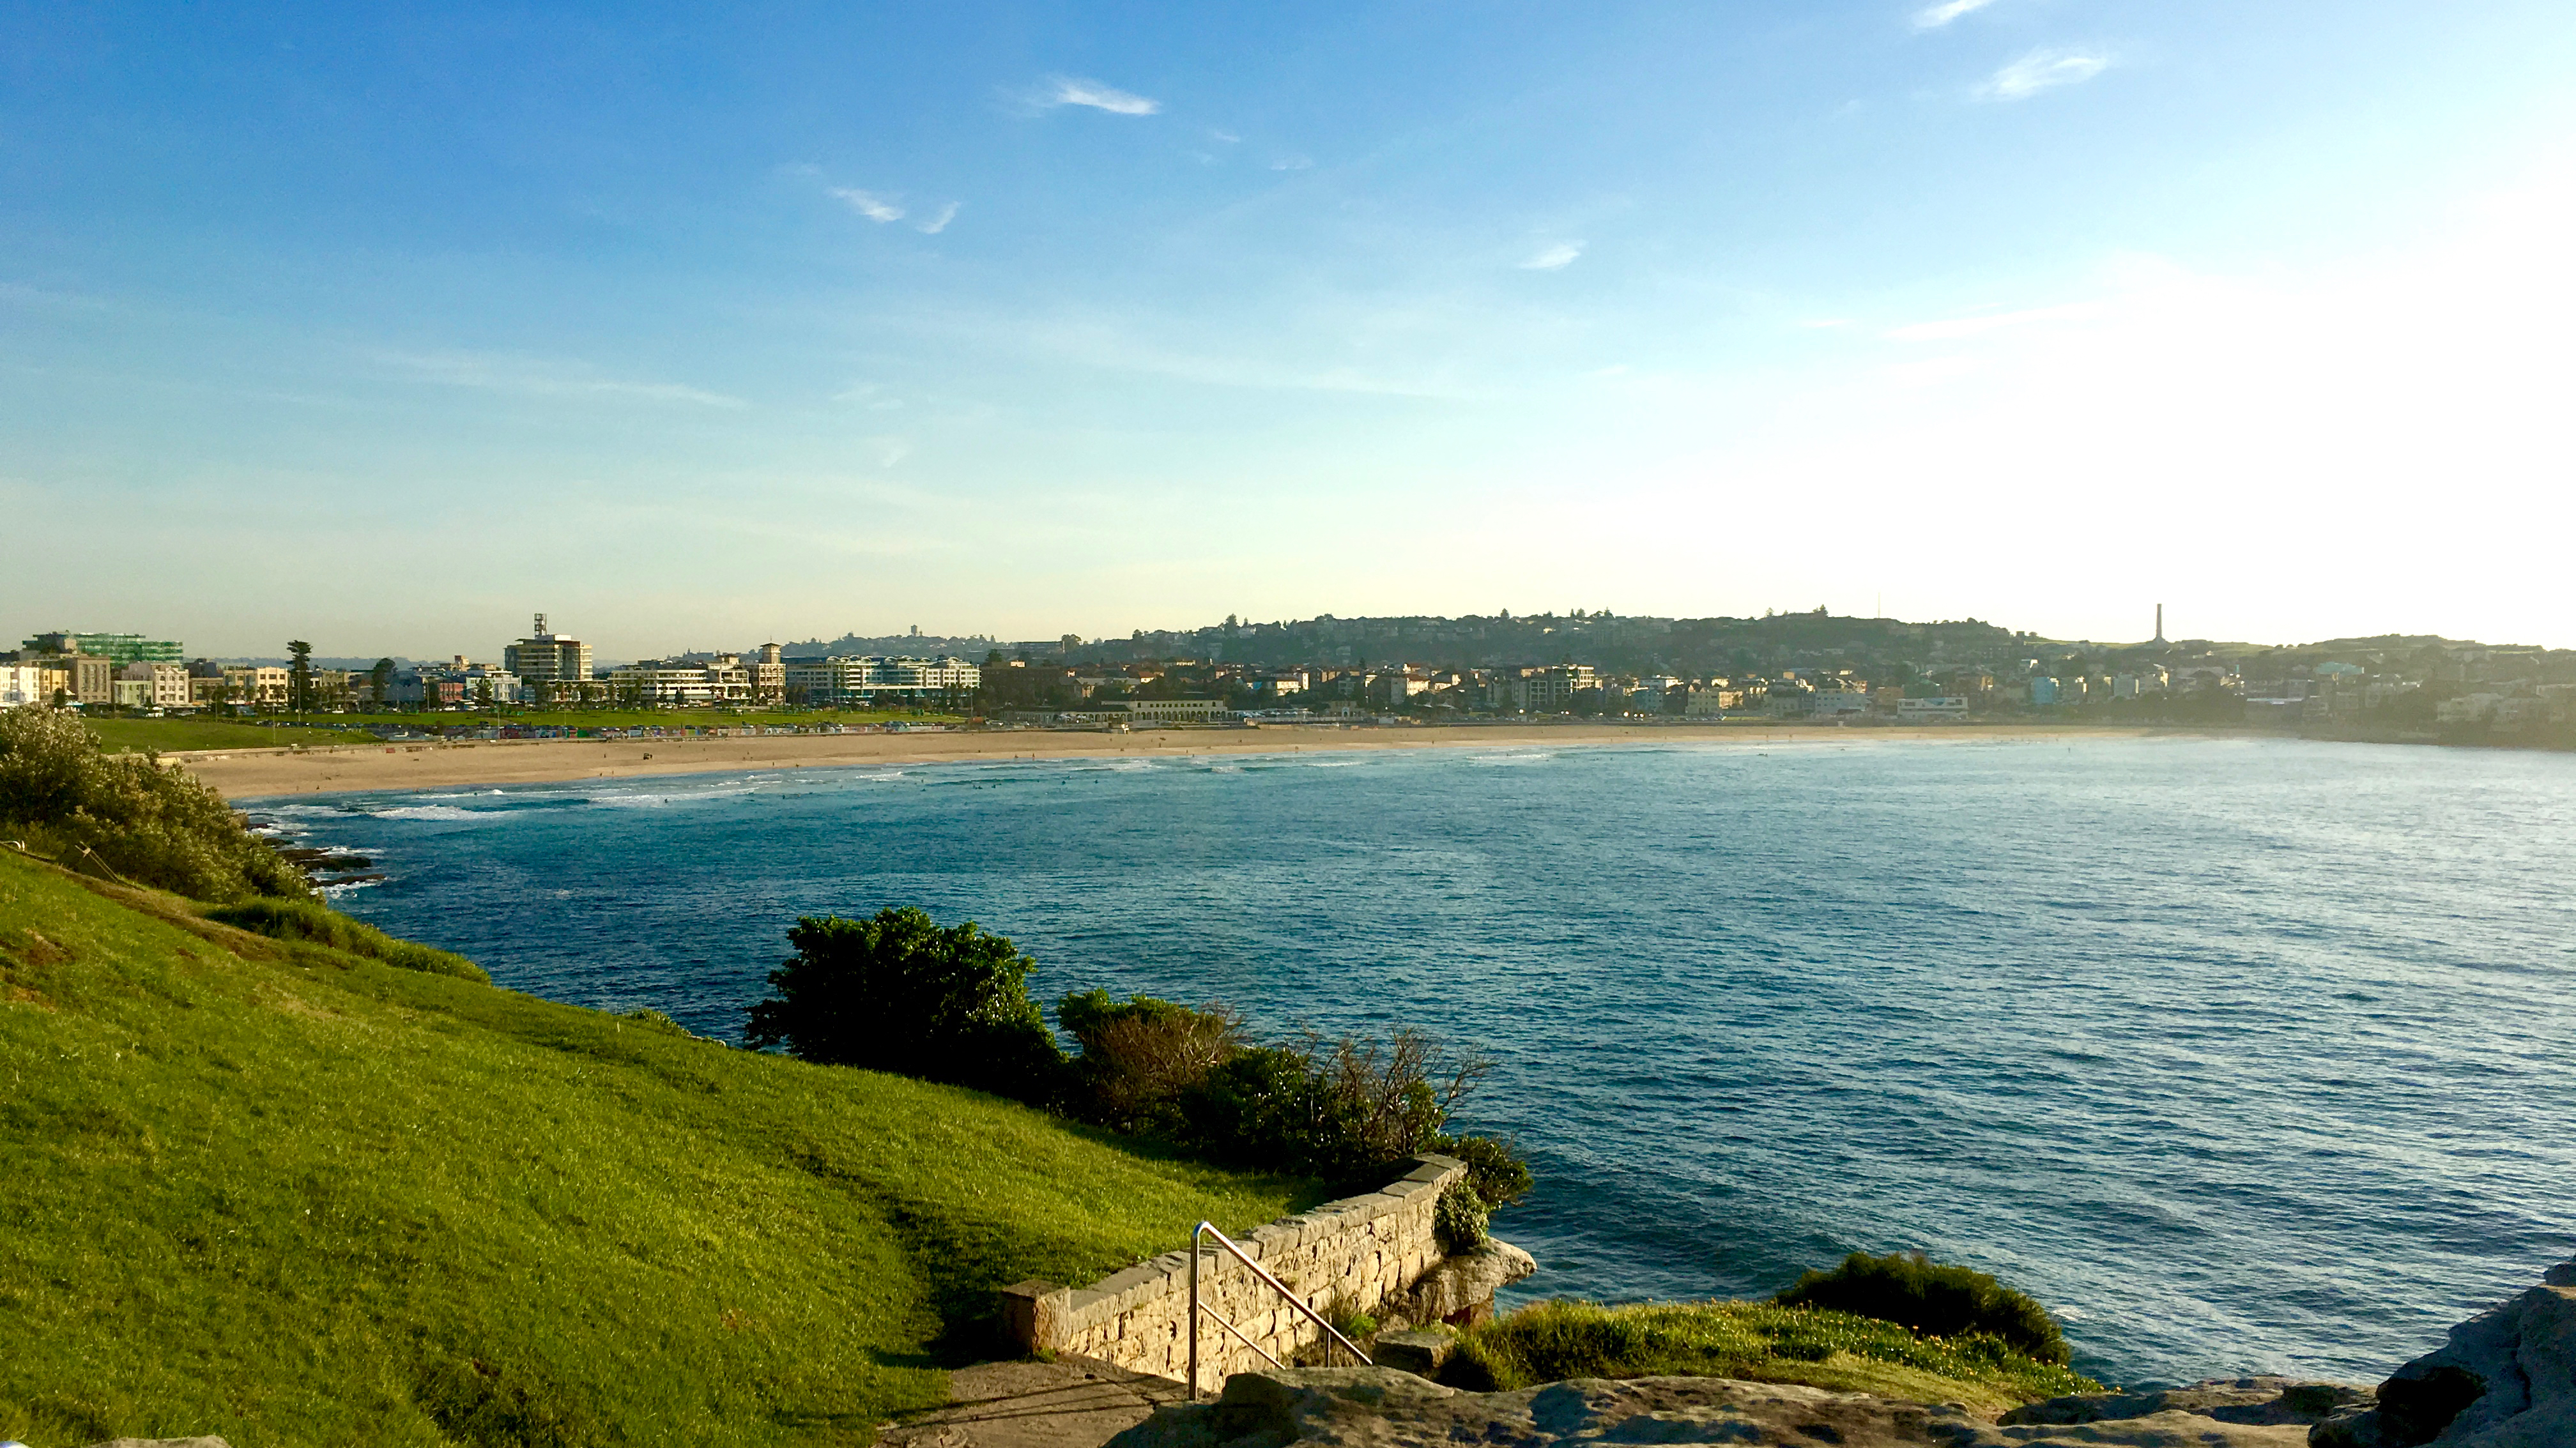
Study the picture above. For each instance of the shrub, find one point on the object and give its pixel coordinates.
(313, 921)
(1553, 1341)
(1459, 1218)
(1931, 1299)
(898, 993)
(1494, 1168)
(1348, 1111)
(160, 827)
(1140, 1055)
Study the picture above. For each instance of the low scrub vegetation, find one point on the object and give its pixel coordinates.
(899, 993)
(1932, 1299)
(1765, 1342)
(62, 797)
(310, 920)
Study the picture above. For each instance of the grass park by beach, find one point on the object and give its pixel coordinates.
(289, 731)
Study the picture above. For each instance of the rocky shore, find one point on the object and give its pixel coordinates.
(2506, 1378)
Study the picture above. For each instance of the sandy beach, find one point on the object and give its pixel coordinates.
(254, 774)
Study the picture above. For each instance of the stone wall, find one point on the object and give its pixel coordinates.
(1357, 1254)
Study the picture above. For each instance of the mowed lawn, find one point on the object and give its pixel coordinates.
(292, 1196)
(139, 735)
(317, 730)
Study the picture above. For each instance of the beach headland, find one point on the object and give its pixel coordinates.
(254, 774)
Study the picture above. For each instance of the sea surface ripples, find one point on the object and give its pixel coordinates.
(2243, 1056)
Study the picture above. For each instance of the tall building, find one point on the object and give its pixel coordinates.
(116, 648)
(769, 676)
(545, 661)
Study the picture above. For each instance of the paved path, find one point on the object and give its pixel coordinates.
(1069, 1403)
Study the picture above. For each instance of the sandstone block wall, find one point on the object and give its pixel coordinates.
(1355, 1254)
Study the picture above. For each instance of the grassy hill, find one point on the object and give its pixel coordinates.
(296, 1196)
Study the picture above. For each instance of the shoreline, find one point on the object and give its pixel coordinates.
(240, 774)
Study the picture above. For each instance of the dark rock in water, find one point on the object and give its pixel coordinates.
(2506, 1379)
(1382, 1408)
(2262, 1400)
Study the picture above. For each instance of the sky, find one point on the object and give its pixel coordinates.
(694, 326)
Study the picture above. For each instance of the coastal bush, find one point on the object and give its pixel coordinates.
(1140, 1055)
(311, 920)
(1349, 1110)
(63, 797)
(1494, 1168)
(1553, 1341)
(899, 993)
(1459, 1218)
(1931, 1298)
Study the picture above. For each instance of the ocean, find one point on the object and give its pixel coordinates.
(2242, 1055)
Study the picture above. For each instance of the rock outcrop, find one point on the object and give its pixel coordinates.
(1459, 1290)
(1383, 1408)
(2258, 1401)
(2505, 1379)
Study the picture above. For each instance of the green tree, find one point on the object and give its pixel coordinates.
(381, 679)
(898, 993)
(299, 677)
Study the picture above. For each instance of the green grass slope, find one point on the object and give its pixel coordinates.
(290, 1195)
(1551, 1341)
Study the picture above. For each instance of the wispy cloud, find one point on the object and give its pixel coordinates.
(868, 203)
(2043, 69)
(1554, 258)
(1292, 163)
(1933, 17)
(541, 377)
(1952, 329)
(937, 223)
(1067, 90)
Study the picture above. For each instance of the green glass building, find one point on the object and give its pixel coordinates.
(123, 648)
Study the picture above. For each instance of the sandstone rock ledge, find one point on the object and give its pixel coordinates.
(1382, 1408)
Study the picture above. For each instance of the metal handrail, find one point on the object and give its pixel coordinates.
(1209, 1229)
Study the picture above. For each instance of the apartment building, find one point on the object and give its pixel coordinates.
(855, 679)
(547, 662)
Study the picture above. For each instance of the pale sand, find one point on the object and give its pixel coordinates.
(253, 774)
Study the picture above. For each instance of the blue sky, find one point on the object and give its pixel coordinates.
(695, 326)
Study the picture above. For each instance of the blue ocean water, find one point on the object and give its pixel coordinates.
(2241, 1055)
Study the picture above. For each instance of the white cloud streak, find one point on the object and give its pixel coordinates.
(938, 223)
(538, 377)
(869, 204)
(2043, 69)
(1066, 90)
(1933, 17)
(1554, 258)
